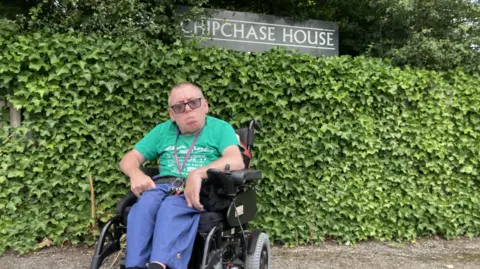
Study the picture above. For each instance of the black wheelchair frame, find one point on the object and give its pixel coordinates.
(223, 239)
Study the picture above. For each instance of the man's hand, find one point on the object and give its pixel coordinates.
(140, 183)
(192, 190)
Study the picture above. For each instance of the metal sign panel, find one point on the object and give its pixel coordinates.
(255, 32)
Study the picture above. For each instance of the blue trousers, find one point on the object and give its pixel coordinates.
(161, 231)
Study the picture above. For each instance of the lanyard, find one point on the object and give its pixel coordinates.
(175, 154)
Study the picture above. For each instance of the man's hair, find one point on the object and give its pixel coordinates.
(181, 85)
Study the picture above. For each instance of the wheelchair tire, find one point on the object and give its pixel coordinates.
(260, 259)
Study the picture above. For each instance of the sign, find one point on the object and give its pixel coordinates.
(254, 32)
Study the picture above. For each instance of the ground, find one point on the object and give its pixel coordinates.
(426, 253)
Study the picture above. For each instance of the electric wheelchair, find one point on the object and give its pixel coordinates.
(223, 239)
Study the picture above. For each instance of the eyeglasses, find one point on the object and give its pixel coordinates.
(193, 104)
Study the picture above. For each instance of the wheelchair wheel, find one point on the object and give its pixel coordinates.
(260, 259)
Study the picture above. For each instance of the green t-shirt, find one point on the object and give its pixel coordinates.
(212, 141)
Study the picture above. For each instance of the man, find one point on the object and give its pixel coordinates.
(162, 225)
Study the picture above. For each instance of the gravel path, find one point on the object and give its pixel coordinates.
(429, 253)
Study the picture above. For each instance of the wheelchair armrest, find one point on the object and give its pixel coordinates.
(240, 177)
(126, 201)
(227, 183)
(222, 181)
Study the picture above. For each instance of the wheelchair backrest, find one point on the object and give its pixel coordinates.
(246, 136)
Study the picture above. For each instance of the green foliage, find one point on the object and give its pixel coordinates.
(432, 34)
(11, 8)
(437, 54)
(351, 148)
(158, 19)
(441, 35)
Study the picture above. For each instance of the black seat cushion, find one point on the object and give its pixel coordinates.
(208, 220)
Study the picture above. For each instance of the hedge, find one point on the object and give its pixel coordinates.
(351, 148)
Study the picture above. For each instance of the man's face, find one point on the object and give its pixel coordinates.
(190, 119)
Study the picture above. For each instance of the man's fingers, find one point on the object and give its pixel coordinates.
(142, 185)
(135, 192)
(199, 207)
(189, 201)
(196, 202)
(148, 186)
(139, 189)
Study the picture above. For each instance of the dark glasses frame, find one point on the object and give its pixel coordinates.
(193, 104)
